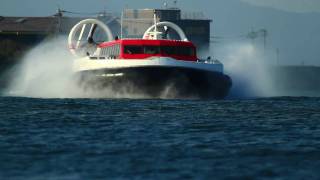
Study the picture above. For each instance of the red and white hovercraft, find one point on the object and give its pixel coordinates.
(149, 66)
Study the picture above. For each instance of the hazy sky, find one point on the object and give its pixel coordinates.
(288, 5)
(44, 7)
(293, 25)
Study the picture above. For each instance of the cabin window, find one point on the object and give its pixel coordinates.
(117, 50)
(111, 51)
(152, 50)
(178, 50)
(133, 50)
(185, 51)
(166, 50)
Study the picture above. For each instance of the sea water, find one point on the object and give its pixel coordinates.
(70, 139)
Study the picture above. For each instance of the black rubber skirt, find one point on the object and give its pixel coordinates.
(157, 82)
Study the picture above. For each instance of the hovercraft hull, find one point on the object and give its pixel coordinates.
(159, 82)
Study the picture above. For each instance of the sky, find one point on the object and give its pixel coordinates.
(293, 25)
(300, 6)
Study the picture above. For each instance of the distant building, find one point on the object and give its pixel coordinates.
(18, 34)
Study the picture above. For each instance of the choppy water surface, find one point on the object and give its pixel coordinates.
(159, 139)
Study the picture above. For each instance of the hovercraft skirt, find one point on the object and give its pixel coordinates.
(152, 81)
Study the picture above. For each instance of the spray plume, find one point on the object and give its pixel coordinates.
(248, 69)
(46, 71)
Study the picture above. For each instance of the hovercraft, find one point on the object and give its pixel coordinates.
(151, 65)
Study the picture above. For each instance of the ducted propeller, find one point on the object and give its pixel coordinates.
(81, 40)
(152, 33)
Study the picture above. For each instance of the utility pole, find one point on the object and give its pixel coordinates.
(175, 3)
(264, 34)
(278, 55)
(252, 35)
(58, 15)
(255, 34)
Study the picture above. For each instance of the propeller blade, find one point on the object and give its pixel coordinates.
(166, 32)
(80, 36)
(91, 33)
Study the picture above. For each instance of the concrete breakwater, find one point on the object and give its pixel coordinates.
(296, 80)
